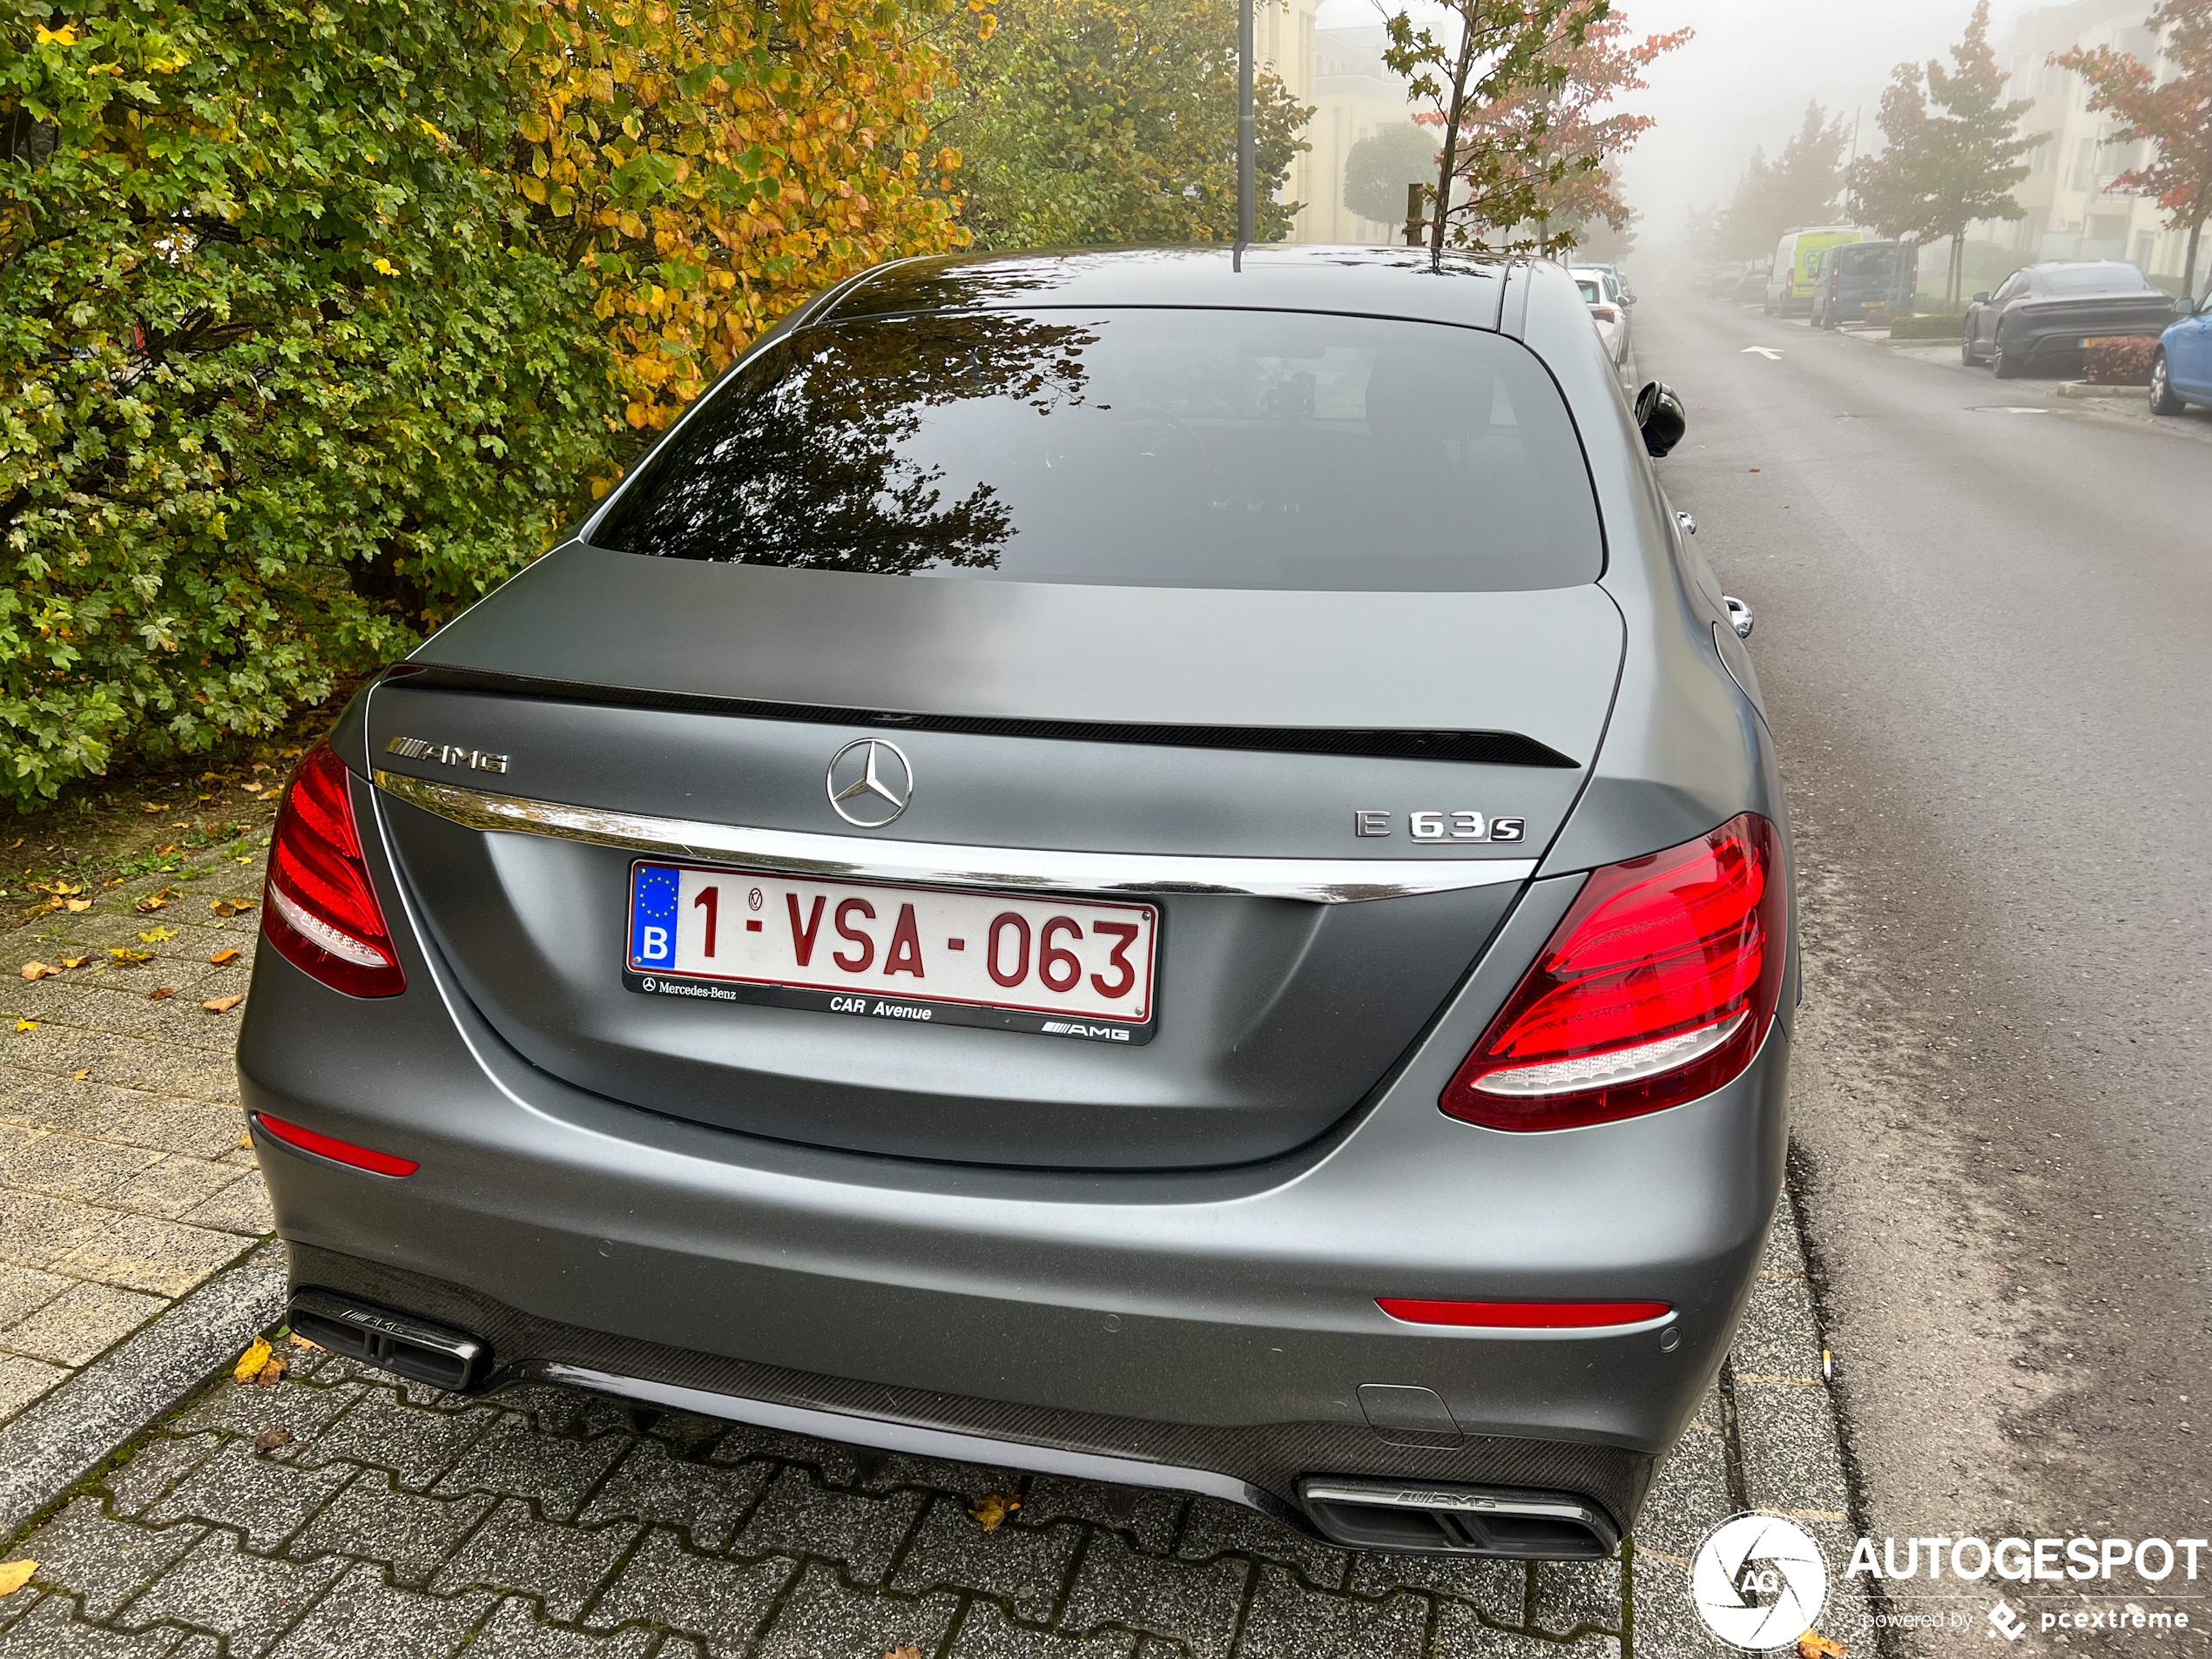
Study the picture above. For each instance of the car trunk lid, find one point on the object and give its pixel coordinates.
(1045, 725)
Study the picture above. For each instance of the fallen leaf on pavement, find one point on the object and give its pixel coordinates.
(223, 958)
(163, 995)
(15, 1575)
(904, 1650)
(299, 1341)
(1813, 1645)
(26, 1025)
(230, 906)
(994, 1507)
(154, 901)
(159, 936)
(250, 1363)
(82, 1075)
(269, 1439)
(246, 1142)
(124, 953)
(38, 970)
(74, 961)
(272, 1372)
(78, 905)
(222, 1004)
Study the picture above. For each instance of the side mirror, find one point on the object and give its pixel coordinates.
(1660, 418)
(1981, 299)
(1627, 299)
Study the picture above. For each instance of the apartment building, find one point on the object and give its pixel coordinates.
(2073, 210)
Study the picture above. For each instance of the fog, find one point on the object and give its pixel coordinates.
(1745, 79)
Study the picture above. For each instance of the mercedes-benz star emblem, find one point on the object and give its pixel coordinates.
(870, 782)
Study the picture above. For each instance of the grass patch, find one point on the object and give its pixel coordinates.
(1935, 327)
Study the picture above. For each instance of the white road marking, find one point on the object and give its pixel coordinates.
(1767, 352)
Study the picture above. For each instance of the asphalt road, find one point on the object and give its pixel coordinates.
(1985, 644)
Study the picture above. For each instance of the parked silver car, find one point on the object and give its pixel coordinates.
(1608, 302)
(978, 905)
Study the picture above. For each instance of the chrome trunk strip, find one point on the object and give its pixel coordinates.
(833, 857)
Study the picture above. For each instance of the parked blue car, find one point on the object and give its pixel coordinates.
(2181, 372)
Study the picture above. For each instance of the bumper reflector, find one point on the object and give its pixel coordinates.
(360, 1157)
(1522, 1316)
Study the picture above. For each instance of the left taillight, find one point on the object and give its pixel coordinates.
(1657, 987)
(319, 910)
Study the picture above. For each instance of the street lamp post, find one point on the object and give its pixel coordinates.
(1247, 131)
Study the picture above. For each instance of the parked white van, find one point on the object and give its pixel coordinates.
(1797, 256)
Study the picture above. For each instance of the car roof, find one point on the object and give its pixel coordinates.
(2113, 266)
(1380, 281)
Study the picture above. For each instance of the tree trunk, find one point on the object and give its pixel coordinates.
(1448, 160)
(2188, 266)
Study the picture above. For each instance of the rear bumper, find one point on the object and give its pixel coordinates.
(1219, 1323)
(2055, 343)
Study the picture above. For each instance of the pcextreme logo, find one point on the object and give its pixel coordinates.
(1758, 1581)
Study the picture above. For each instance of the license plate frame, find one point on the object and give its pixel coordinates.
(848, 996)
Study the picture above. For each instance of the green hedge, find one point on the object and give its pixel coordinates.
(1936, 327)
(283, 381)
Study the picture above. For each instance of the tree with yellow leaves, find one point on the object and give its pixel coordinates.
(712, 166)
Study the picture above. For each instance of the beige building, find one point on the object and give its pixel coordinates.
(2073, 212)
(1283, 33)
(1353, 98)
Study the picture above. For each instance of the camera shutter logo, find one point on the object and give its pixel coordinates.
(1758, 1581)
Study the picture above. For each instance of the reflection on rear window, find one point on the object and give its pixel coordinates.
(1133, 448)
(1591, 292)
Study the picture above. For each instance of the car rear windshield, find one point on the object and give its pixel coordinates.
(2091, 279)
(1858, 259)
(1593, 292)
(1154, 447)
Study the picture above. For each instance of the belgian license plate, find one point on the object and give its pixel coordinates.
(928, 956)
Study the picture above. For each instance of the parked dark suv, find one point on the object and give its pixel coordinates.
(1851, 275)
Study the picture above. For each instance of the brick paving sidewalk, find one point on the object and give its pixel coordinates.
(123, 1183)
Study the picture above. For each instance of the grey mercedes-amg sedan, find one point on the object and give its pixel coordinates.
(1157, 865)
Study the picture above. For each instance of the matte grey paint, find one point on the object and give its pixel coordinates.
(1539, 663)
(1286, 1013)
(1238, 1293)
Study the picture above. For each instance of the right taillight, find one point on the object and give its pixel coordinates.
(1656, 987)
(319, 910)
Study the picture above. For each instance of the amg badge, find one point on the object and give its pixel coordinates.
(446, 754)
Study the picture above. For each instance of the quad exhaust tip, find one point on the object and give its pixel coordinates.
(1446, 1519)
(420, 1349)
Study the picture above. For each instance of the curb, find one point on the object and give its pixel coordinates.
(50, 1447)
